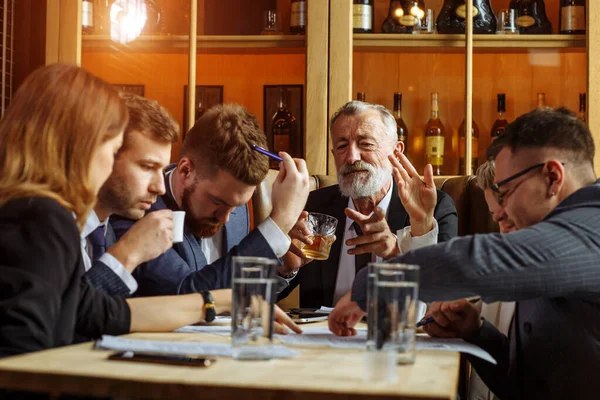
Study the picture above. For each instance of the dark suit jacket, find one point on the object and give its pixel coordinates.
(317, 280)
(551, 269)
(43, 298)
(101, 277)
(183, 268)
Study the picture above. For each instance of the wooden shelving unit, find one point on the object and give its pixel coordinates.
(381, 42)
(206, 44)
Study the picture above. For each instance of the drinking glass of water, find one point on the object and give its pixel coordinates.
(254, 287)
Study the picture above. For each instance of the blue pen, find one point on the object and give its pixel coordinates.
(429, 320)
(266, 152)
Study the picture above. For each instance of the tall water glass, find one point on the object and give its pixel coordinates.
(392, 296)
(254, 288)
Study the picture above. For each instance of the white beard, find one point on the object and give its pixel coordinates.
(365, 183)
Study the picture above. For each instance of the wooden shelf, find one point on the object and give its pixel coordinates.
(259, 44)
(381, 42)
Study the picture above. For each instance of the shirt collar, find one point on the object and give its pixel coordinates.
(169, 176)
(384, 204)
(91, 223)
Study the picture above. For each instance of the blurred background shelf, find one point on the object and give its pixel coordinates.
(456, 43)
(237, 44)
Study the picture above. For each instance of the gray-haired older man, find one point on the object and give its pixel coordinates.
(363, 136)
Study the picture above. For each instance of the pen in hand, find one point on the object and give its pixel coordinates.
(266, 152)
(429, 320)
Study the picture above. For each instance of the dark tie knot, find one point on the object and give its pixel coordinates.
(98, 242)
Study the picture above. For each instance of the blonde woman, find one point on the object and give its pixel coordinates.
(57, 145)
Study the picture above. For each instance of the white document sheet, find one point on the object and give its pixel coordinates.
(321, 336)
(221, 330)
(108, 342)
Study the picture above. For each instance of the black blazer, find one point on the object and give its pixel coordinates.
(317, 280)
(43, 298)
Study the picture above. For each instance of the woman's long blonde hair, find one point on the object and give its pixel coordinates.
(56, 120)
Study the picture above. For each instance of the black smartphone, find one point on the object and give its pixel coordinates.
(169, 359)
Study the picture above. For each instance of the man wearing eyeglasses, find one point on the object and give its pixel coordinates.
(546, 184)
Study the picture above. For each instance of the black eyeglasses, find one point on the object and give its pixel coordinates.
(496, 186)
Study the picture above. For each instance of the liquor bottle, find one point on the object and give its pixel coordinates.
(541, 100)
(282, 128)
(453, 13)
(531, 16)
(199, 109)
(572, 17)
(582, 107)
(474, 148)
(360, 96)
(298, 17)
(87, 17)
(434, 138)
(404, 16)
(401, 128)
(362, 16)
(501, 122)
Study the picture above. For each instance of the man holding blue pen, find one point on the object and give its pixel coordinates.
(546, 184)
(213, 181)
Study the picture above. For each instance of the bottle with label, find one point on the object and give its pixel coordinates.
(360, 96)
(453, 13)
(474, 148)
(362, 16)
(541, 100)
(531, 16)
(87, 17)
(283, 128)
(298, 17)
(404, 16)
(501, 122)
(582, 107)
(401, 128)
(571, 17)
(434, 138)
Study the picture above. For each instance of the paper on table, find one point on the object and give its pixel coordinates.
(421, 309)
(108, 342)
(325, 310)
(318, 336)
(221, 330)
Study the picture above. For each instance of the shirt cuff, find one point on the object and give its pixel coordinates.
(111, 262)
(277, 239)
(407, 242)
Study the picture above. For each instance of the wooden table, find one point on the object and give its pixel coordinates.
(317, 373)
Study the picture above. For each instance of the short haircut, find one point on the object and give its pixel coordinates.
(358, 107)
(559, 129)
(58, 118)
(221, 139)
(485, 174)
(150, 118)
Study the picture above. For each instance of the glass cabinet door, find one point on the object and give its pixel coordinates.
(246, 54)
(538, 60)
(416, 72)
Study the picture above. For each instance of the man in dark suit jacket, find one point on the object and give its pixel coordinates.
(547, 187)
(133, 186)
(363, 136)
(213, 182)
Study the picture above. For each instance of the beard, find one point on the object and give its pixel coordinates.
(361, 179)
(200, 227)
(116, 195)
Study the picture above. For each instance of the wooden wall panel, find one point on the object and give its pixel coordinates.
(416, 75)
(29, 39)
(164, 76)
(594, 75)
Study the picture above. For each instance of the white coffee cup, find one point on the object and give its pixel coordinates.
(178, 222)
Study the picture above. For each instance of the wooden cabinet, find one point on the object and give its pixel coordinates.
(333, 64)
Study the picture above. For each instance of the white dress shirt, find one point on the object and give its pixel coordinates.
(107, 259)
(405, 242)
